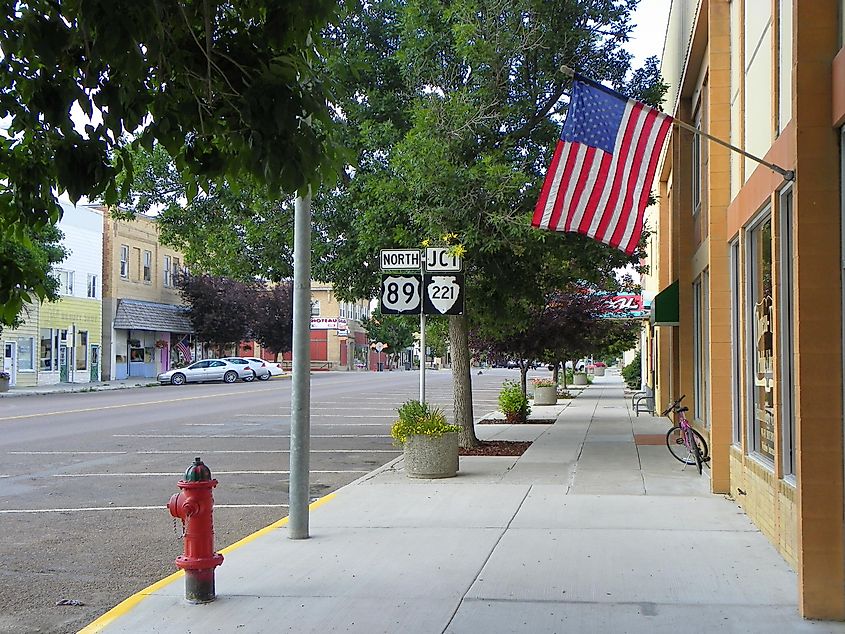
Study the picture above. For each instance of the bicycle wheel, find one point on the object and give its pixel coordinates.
(678, 448)
(696, 451)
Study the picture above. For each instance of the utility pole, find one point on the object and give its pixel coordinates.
(300, 405)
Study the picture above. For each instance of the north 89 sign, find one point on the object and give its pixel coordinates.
(401, 294)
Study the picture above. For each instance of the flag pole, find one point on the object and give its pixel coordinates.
(787, 174)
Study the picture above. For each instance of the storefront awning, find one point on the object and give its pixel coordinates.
(137, 315)
(664, 307)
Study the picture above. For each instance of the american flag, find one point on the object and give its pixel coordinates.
(603, 167)
(184, 350)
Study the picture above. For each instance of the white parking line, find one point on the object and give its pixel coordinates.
(159, 508)
(242, 451)
(66, 453)
(247, 436)
(174, 474)
(204, 424)
(201, 451)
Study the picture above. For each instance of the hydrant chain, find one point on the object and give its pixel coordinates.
(180, 534)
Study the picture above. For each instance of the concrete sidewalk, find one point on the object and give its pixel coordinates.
(593, 529)
(66, 388)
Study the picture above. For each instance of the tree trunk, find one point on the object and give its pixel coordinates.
(523, 377)
(556, 372)
(462, 380)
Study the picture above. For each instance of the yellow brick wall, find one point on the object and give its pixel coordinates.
(768, 501)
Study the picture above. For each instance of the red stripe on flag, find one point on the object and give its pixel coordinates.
(540, 207)
(583, 177)
(565, 183)
(601, 184)
(628, 204)
(620, 179)
(665, 124)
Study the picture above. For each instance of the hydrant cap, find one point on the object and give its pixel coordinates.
(197, 472)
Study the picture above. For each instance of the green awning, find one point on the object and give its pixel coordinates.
(664, 307)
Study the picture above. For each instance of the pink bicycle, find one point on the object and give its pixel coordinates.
(685, 443)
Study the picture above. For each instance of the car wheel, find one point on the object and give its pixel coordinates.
(264, 377)
(230, 377)
(177, 379)
(249, 377)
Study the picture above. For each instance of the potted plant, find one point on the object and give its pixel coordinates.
(5, 378)
(545, 391)
(430, 443)
(513, 403)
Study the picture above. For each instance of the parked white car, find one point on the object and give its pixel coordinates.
(207, 370)
(275, 369)
(259, 370)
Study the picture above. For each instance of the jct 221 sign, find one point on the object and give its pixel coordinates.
(443, 294)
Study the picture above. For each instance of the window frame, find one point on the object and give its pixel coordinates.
(147, 270)
(124, 261)
(20, 346)
(166, 277)
(786, 336)
(736, 339)
(80, 345)
(92, 285)
(753, 436)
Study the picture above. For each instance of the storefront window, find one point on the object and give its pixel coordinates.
(25, 361)
(81, 350)
(761, 410)
(45, 350)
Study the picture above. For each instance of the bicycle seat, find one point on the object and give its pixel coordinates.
(682, 409)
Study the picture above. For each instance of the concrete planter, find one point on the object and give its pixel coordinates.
(579, 378)
(4, 385)
(545, 395)
(598, 371)
(430, 457)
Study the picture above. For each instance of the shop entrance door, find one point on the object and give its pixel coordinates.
(10, 360)
(95, 363)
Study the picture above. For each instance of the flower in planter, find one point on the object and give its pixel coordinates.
(539, 382)
(5, 376)
(421, 419)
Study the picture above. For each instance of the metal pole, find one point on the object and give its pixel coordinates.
(300, 404)
(422, 357)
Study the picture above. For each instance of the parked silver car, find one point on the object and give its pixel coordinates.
(275, 369)
(258, 367)
(207, 370)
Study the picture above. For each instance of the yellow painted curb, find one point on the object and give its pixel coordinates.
(127, 604)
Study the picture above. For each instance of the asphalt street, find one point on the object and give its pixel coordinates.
(84, 477)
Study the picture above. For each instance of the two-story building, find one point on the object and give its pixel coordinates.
(145, 329)
(61, 341)
(338, 340)
(749, 320)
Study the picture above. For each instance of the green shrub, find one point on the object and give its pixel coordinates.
(513, 401)
(421, 419)
(632, 373)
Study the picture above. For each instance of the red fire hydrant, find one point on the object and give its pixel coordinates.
(194, 506)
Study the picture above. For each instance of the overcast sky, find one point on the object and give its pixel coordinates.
(650, 19)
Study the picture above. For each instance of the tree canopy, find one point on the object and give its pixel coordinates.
(229, 90)
(27, 264)
(453, 110)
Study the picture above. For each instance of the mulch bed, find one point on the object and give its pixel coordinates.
(497, 448)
